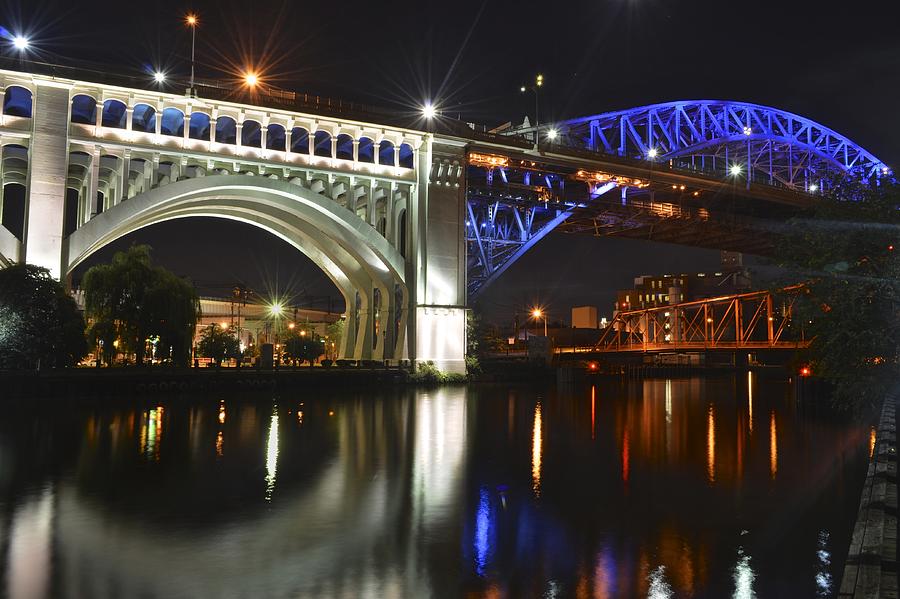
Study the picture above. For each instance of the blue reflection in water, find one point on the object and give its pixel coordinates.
(824, 581)
(482, 532)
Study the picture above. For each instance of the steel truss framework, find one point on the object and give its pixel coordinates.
(757, 320)
(781, 148)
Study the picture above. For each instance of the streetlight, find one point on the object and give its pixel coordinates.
(276, 309)
(159, 77)
(735, 169)
(552, 134)
(429, 111)
(251, 79)
(537, 313)
(192, 21)
(652, 153)
(20, 42)
(538, 83)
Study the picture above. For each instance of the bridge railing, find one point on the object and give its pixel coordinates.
(755, 320)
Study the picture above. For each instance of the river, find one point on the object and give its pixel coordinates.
(704, 487)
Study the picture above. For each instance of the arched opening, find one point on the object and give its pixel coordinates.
(406, 156)
(251, 134)
(344, 149)
(114, 115)
(199, 126)
(275, 137)
(143, 118)
(17, 102)
(386, 153)
(84, 110)
(226, 130)
(299, 140)
(366, 151)
(323, 144)
(13, 217)
(172, 122)
(401, 233)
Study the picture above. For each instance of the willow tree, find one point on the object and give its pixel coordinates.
(142, 303)
(848, 252)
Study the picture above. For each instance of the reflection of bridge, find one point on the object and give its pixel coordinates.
(760, 320)
(407, 223)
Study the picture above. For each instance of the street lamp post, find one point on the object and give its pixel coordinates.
(537, 313)
(538, 83)
(192, 21)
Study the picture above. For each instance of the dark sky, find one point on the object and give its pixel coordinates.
(835, 62)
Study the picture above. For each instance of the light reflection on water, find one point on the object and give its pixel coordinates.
(486, 492)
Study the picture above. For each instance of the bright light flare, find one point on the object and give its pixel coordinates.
(748, 130)
(20, 42)
(429, 111)
(251, 79)
(813, 188)
(159, 77)
(552, 134)
(652, 153)
(276, 309)
(191, 20)
(537, 313)
(735, 169)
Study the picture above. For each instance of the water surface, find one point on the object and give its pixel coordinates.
(700, 488)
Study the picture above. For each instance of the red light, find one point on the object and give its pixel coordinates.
(805, 371)
(593, 366)
(891, 248)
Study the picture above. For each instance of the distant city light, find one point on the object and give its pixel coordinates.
(551, 134)
(522, 89)
(748, 130)
(429, 111)
(735, 169)
(539, 80)
(159, 76)
(652, 152)
(20, 42)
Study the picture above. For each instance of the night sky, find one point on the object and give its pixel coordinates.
(835, 62)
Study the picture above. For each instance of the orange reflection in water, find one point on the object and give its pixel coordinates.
(872, 438)
(773, 446)
(220, 444)
(711, 444)
(625, 457)
(593, 411)
(536, 450)
(222, 412)
(750, 399)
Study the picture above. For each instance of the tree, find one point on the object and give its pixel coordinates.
(849, 254)
(304, 346)
(142, 301)
(219, 344)
(40, 325)
(334, 332)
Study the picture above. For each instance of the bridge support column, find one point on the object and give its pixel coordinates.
(46, 183)
(438, 327)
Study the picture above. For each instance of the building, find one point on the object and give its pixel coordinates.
(651, 291)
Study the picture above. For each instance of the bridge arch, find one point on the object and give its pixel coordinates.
(353, 255)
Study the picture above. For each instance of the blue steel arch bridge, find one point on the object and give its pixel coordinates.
(709, 173)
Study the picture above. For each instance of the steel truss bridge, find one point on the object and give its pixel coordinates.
(750, 321)
(717, 174)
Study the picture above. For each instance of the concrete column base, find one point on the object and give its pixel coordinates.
(441, 337)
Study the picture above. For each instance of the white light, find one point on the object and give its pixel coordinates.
(159, 76)
(20, 42)
(652, 152)
(813, 188)
(429, 111)
(748, 130)
(735, 169)
(551, 134)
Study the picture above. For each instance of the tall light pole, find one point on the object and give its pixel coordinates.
(538, 83)
(192, 22)
(537, 313)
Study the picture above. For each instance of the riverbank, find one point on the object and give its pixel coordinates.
(871, 567)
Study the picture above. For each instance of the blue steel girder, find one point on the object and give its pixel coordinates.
(781, 148)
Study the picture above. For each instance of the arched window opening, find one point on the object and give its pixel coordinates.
(199, 126)
(366, 151)
(114, 114)
(386, 153)
(406, 156)
(344, 149)
(143, 119)
(401, 234)
(172, 122)
(275, 137)
(251, 134)
(226, 130)
(17, 102)
(84, 110)
(299, 140)
(323, 144)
